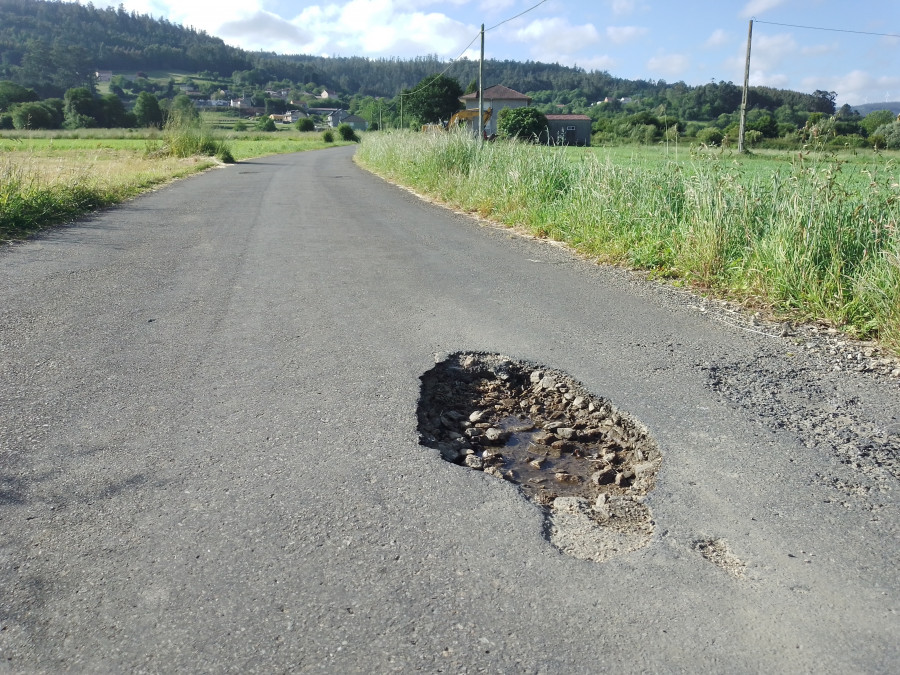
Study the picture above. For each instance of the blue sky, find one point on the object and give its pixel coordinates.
(691, 40)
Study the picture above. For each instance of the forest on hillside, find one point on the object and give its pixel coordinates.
(48, 49)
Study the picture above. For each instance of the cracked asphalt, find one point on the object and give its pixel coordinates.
(209, 458)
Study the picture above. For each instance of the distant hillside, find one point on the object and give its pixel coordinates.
(866, 108)
(53, 46)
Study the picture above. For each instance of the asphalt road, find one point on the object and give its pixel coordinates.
(209, 459)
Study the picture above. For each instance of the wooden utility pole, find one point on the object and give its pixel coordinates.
(481, 91)
(746, 87)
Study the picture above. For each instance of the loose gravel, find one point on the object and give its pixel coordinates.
(588, 465)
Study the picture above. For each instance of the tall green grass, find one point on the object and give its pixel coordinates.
(811, 236)
(187, 136)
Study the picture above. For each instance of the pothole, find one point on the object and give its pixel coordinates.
(585, 463)
(718, 552)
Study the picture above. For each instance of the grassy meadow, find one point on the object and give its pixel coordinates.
(808, 235)
(49, 177)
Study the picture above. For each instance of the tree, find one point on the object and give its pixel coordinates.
(524, 123)
(10, 93)
(875, 119)
(183, 108)
(146, 110)
(33, 116)
(824, 101)
(80, 108)
(766, 125)
(434, 99)
(112, 112)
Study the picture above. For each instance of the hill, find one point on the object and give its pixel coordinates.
(866, 108)
(53, 46)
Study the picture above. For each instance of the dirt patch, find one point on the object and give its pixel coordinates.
(719, 554)
(586, 464)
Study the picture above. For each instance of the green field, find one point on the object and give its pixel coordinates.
(48, 177)
(811, 235)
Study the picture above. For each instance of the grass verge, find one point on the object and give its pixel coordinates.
(49, 177)
(809, 236)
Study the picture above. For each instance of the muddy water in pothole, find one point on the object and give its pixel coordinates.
(569, 451)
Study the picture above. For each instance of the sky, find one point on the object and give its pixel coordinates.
(694, 41)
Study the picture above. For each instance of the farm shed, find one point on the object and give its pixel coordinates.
(496, 97)
(569, 129)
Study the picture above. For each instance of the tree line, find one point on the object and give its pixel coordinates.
(49, 49)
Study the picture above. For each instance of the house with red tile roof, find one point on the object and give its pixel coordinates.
(497, 98)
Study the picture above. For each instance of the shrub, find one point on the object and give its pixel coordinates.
(752, 137)
(240, 125)
(524, 123)
(266, 124)
(891, 135)
(328, 136)
(187, 136)
(306, 124)
(710, 136)
(345, 131)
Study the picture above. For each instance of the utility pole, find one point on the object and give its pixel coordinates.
(746, 87)
(481, 91)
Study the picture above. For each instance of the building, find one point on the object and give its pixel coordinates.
(569, 130)
(103, 75)
(336, 117)
(356, 122)
(497, 98)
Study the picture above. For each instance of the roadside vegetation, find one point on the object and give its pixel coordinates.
(51, 176)
(809, 235)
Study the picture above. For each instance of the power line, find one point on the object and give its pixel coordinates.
(516, 16)
(452, 61)
(449, 66)
(834, 30)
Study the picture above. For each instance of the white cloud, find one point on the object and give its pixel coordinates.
(603, 62)
(767, 53)
(622, 34)
(670, 65)
(620, 7)
(760, 78)
(857, 87)
(755, 7)
(546, 36)
(819, 50)
(263, 27)
(719, 38)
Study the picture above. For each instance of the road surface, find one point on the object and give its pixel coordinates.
(209, 459)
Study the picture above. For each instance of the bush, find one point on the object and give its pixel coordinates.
(524, 123)
(305, 124)
(328, 137)
(187, 136)
(6, 121)
(752, 137)
(345, 131)
(266, 124)
(891, 135)
(710, 136)
(240, 125)
(33, 116)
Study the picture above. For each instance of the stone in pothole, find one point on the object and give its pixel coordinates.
(588, 465)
